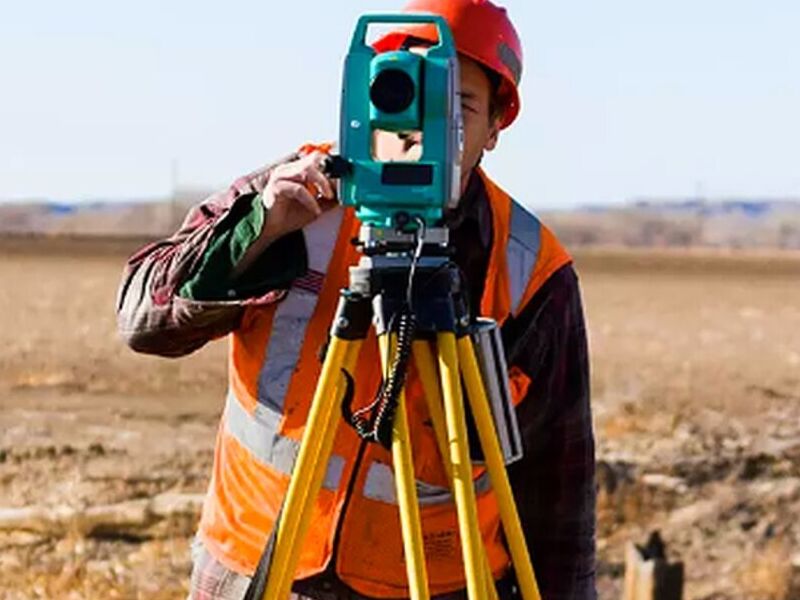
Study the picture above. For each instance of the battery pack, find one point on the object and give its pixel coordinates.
(491, 357)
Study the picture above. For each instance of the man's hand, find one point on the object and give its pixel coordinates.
(295, 195)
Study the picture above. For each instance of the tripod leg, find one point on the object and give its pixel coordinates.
(309, 470)
(497, 470)
(426, 367)
(463, 489)
(406, 490)
(424, 360)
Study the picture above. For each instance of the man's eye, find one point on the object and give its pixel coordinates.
(469, 108)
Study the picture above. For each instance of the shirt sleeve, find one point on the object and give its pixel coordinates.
(177, 293)
(553, 483)
(281, 262)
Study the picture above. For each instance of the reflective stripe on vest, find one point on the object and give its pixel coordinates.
(380, 485)
(285, 342)
(522, 251)
(259, 434)
(295, 311)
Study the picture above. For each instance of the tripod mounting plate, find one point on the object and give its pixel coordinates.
(371, 236)
(379, 240)
(437, 298)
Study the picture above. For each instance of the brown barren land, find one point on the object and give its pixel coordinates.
(696, 393)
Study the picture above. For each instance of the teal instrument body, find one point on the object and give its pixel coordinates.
(401, 92)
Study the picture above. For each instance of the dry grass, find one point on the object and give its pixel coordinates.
(768, 574)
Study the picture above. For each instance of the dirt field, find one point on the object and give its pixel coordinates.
(696, 383)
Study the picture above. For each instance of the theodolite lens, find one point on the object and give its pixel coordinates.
(392, 91)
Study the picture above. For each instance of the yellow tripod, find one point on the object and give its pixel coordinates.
(441, 316)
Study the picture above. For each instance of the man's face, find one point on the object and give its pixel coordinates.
(480, 129)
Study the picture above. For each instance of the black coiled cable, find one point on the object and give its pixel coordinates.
(375, 421)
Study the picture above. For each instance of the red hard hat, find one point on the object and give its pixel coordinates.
(482, 31)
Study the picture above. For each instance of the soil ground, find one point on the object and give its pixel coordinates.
(696, 395)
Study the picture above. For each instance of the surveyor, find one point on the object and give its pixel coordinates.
(263, 261)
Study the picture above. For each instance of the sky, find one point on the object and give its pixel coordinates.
(621, 98)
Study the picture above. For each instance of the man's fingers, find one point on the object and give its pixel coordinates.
(316, 177)
(299, 193)
(307, 170)
(312, 169)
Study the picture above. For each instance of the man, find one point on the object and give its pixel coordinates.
(263, 263)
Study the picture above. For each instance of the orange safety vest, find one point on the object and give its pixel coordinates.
(274, 367)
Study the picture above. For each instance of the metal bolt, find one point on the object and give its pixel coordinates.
(342, 323)
(355, 123)
(464, 321)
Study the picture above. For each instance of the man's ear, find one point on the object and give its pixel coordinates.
(494, 135)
